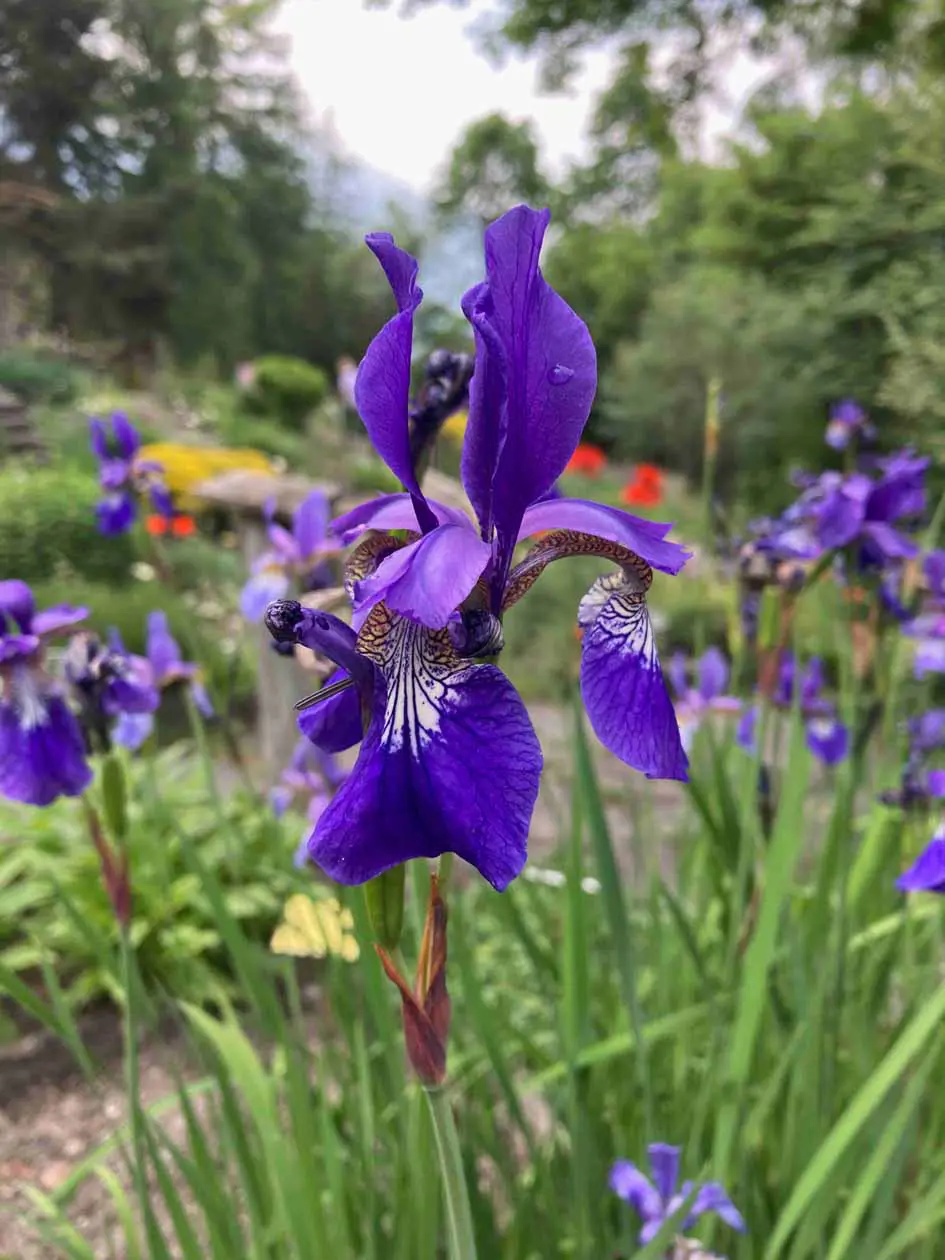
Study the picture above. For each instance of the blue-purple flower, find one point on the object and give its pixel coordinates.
(864, 511)
(927, 873)
(449, 760)
(113, 688)
(42, 753)
(166, 667)
(694, 704)
(122, 476)
(298, 554)
(656, 1199)
(847, 421)
(313, 773)
(827, 737)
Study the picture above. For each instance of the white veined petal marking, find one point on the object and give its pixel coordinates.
(618, 612)
(27, 699)
(419, 666)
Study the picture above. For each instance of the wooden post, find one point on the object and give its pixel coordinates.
(280, 680)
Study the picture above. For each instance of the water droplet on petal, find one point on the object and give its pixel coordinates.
(560, 375)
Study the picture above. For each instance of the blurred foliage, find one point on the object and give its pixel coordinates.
(287, 389)
(48, 528)
(37, 377)
(53, 906)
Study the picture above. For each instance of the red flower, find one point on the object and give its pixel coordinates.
(181, 526)
(588, 460)
(645, 489)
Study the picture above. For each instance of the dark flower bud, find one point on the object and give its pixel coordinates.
(282, 619)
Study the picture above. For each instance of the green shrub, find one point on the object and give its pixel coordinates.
(287, 388)
(371, 474)
(38, 377)
(237, 429)
(53, 905)
(48, 526)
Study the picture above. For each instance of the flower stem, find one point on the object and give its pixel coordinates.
(461, 1241)
(130, 982)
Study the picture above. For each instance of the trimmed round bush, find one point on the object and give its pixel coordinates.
(37, 377)
(287, 388)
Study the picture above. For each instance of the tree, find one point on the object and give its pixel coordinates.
(494, 165)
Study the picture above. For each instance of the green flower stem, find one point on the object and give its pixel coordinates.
(130, 981)
(461, 1241)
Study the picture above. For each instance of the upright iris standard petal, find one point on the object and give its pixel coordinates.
(535, 377)
(664, 1162)
(310, 524)
(712, 1198)
(427, 580)
(450, 762)
(126, 436)
(382, 389)
(713, 674)
(42, 754)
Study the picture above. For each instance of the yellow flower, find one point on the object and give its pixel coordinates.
(455, 427)
(186, 466)
(314, 929)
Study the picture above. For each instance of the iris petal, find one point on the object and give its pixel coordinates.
(450, 762)
(623, 687)
(428, 580)
(629, 1184)
(927, 873)
(42, 755)
(260, 591)
(310, 523)
(644, 538)
(382, 388)
(392, 511)
(334, 724)
(535, 357)
(664, 1163)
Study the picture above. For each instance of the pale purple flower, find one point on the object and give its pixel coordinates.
(693, 704)
(298, 554)
(656, 1199)
(42, 752)
(827, 737)
(449, 760)
(167, 668)
(315, 774)
(113, 688)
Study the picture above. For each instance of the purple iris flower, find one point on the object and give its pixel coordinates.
(860, 510)
(113, 688)
(827, 737)
(693, 704)
(314, 773)
(847, 421)
(656, 1200)
(122, 476)
(42, 753)
(166, 668)
(299, 553)
(927, 873)
(449, 760)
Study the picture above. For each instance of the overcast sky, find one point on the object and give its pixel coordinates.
(400, 90)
